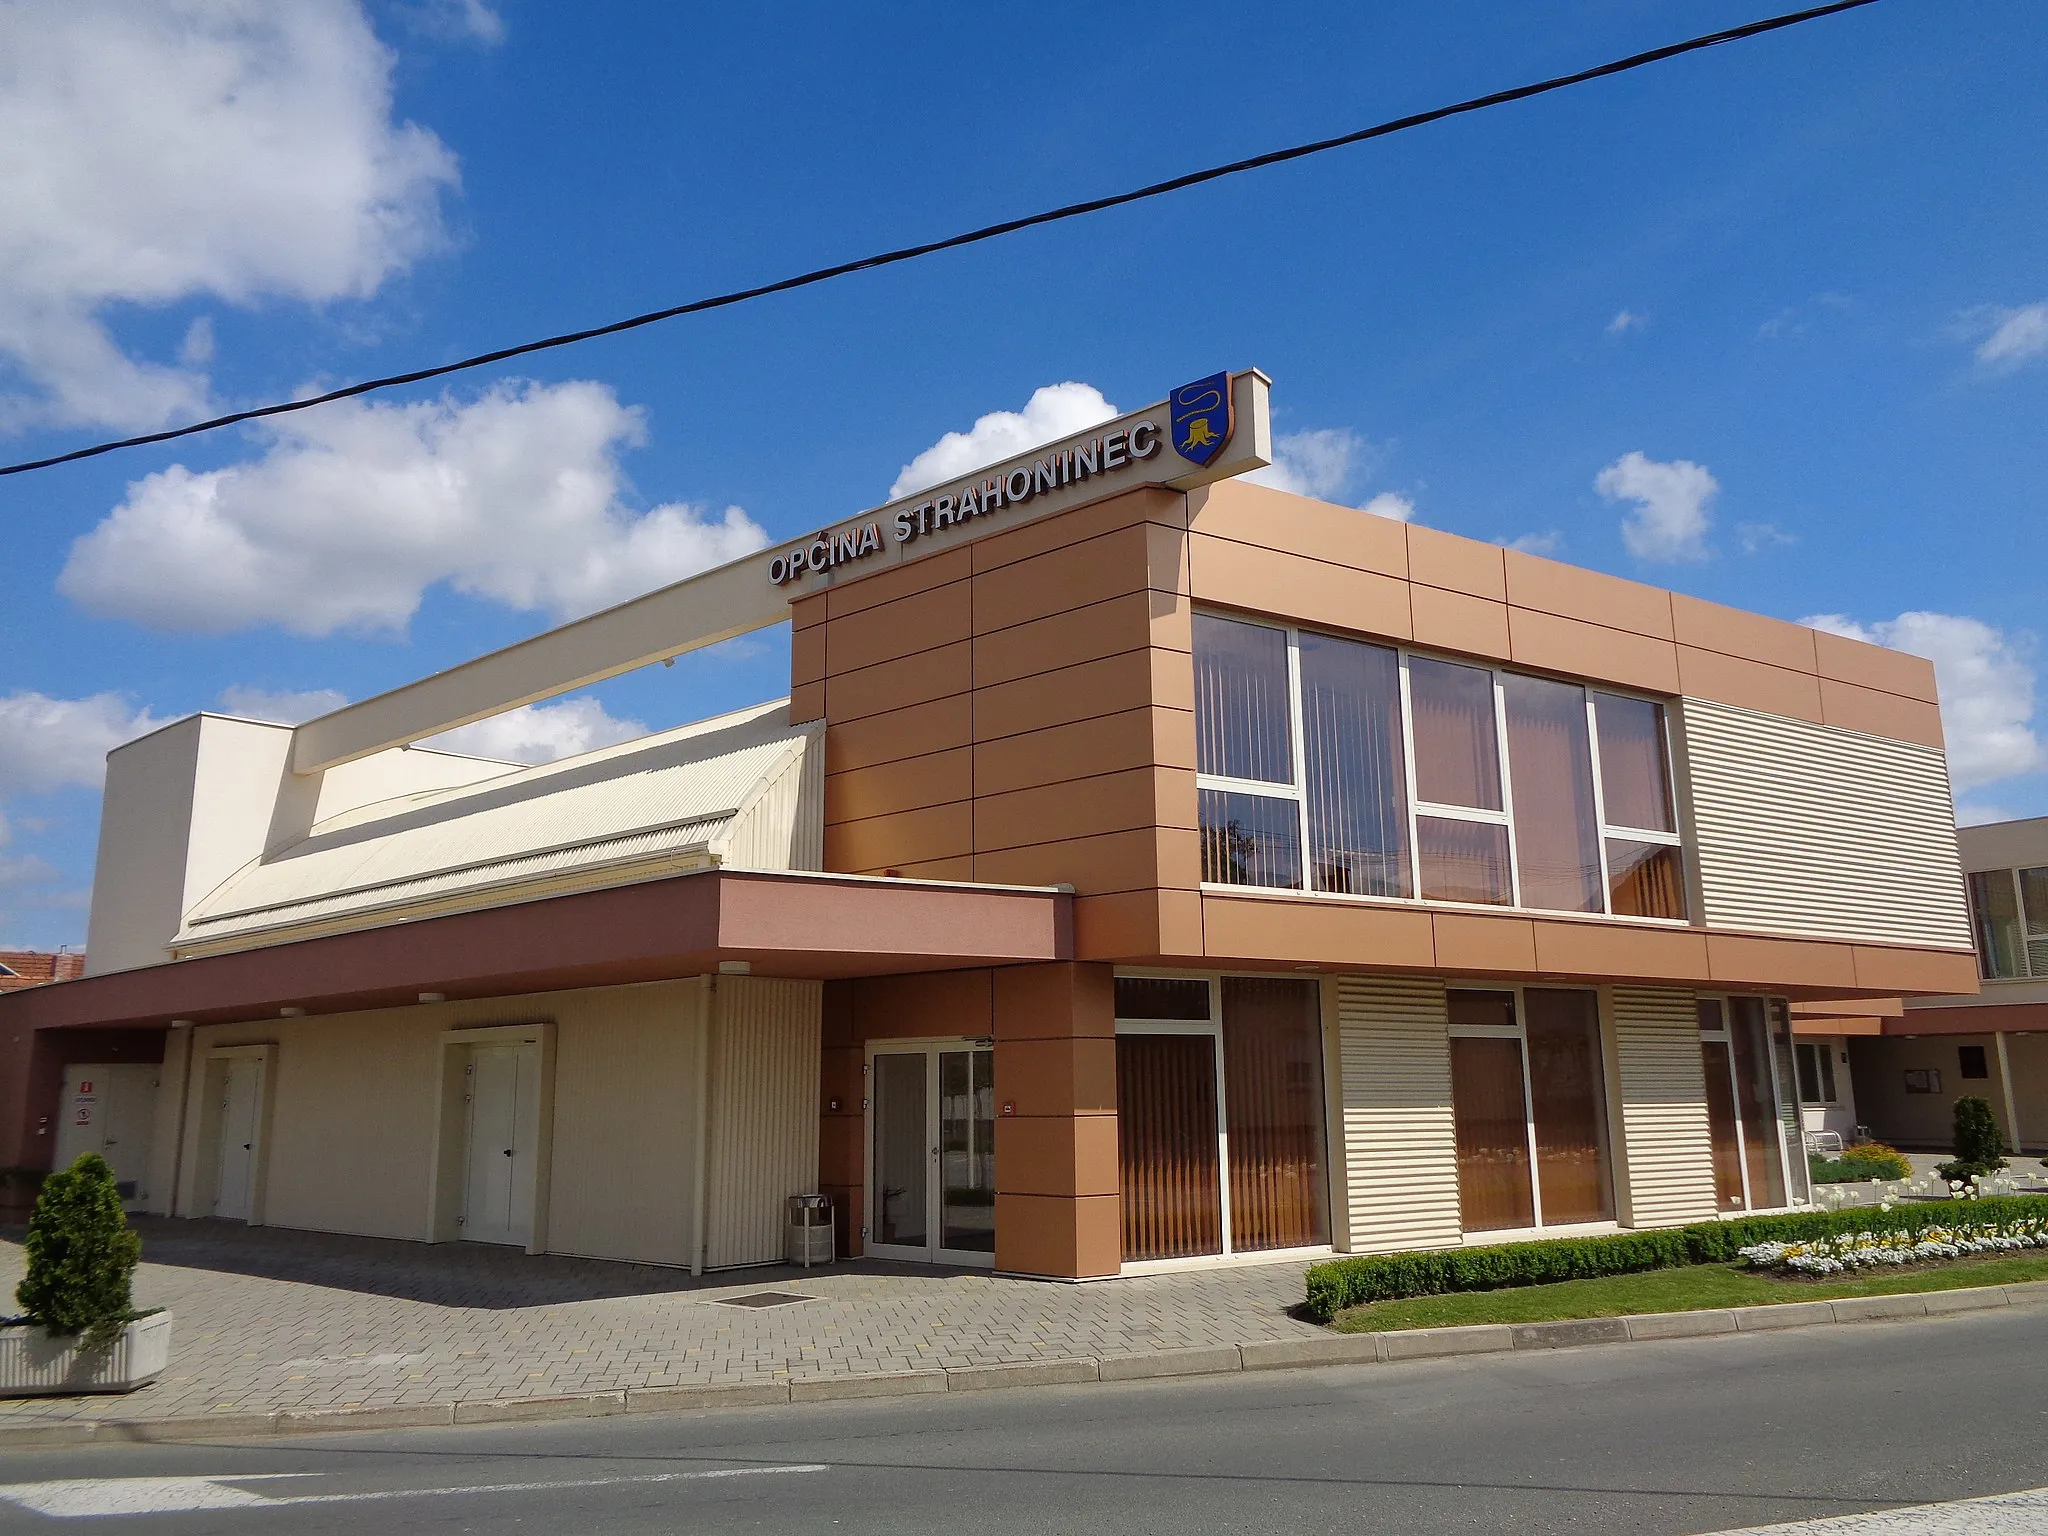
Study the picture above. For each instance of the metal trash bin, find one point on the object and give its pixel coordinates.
(810, 1230)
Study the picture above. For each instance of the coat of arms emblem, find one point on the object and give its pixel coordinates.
(1201, 418)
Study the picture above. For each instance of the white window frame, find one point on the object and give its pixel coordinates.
(1725, 1033)
(1519, 1032)
(1823, 1073)
(2027, 970)
(1212, 1027)
(1296, 793)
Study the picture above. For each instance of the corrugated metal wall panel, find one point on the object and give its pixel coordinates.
(782, 827)
(1811, 829)
(1400, 1148)
(1670, 1168)
(624, 1159)
(764, 1113)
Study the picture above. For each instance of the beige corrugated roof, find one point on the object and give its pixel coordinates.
(619, 809)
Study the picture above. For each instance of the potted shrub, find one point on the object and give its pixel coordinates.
(1979, 1144)
(79, 1330)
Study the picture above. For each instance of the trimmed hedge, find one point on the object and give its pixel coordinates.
(1345, 1283)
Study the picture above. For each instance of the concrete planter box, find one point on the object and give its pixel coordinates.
(36, 1364)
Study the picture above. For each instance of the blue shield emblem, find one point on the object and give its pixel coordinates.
(1201, 418)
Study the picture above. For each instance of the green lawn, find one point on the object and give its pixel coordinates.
(1672, 1290)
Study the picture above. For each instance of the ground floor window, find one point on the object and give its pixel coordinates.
(1529, 1106)
(1752, 1115)
(1816, 1073)
(1220, 1121)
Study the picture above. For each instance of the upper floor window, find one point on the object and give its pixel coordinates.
(2009, 916)
(1329, 764)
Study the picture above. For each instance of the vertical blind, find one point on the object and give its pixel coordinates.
(1166, 1146)
(1357, 781)
(1338, 817)
(1273, 1097)
(1569, 1092)
(1550, 770)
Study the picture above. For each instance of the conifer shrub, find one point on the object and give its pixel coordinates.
(81, 1256)
(1979, 1144)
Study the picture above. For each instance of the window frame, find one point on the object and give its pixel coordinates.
(1519, 1033)
(1725, 1034)
(1212, 1028)
(1416, 807)
(1827, 1094)
(2024, 940)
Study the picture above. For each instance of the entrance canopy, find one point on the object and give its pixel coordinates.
(789, 924)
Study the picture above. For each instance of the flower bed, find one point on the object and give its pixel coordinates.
(1832, 1255)
(1349, 1282)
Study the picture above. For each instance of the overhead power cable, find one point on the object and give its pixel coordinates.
(971, 237)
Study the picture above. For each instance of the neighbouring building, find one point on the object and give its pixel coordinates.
(1146, 868)
(1992, 1043)
(34, 968)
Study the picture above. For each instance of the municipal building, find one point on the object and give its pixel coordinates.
(1146, 868)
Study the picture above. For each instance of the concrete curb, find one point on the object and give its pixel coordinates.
(1205, 1360)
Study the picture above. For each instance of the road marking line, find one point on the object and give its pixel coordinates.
(97, 1498)
(2007, 1514)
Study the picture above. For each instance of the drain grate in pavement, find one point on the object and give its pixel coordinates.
(762, 1299)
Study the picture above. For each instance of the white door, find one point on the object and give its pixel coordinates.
(504, 1100)
(241, 1108)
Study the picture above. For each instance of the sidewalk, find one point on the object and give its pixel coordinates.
(271, 1320)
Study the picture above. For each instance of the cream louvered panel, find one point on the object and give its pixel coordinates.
(1664, 1135)
(1812, 829)
(1400, 1146)
(764, 1113)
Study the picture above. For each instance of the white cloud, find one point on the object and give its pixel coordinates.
(356, 509)
(1986, 683)
(153, 153)
(2011, 336)
(456, 21)
(1625, 322)
(280, 707)
(1053, 412)
(1548, 543)
(1670, 519)
(1389, 504)
(48, 743)
(540, 733)
(1324, 463)
(1755, 538)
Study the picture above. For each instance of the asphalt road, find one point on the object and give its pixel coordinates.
(1688, 1436)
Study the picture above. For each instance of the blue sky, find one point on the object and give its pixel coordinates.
(1769, 324)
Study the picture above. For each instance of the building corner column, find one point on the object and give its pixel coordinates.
(1058, 1211)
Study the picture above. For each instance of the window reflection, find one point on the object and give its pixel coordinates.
(1550, 772)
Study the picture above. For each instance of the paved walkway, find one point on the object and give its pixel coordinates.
(268, 1319)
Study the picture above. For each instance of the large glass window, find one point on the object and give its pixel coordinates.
(1355, 776)
(1752, 1110)
(1330, 764)
(2009, 914)
(1220, 1117)
(1528, 1093)
(1550, 775)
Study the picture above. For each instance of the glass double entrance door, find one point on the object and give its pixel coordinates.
(932, 1152)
